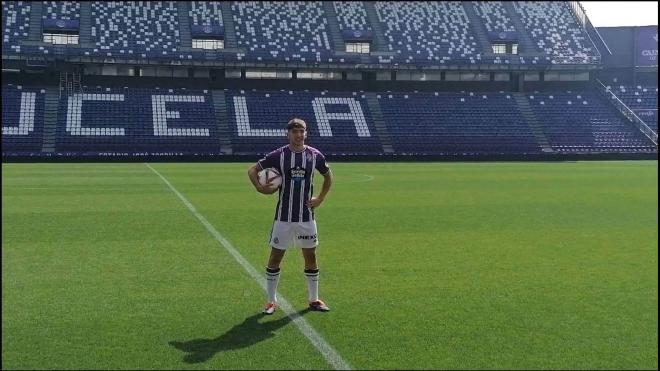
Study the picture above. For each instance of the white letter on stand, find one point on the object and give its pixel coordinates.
(243, 122)
(161, 114)
(74, 115)
(25, 118)
(356, 115)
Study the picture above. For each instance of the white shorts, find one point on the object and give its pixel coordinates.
(299, 234)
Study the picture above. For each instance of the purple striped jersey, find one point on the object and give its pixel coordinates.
(297, 169)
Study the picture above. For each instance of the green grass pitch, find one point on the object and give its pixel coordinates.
(425, 266)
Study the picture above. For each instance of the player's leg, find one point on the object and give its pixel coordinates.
(309, 242)
(273, 278)
(310, 258)
(312, 274)
(278, 243)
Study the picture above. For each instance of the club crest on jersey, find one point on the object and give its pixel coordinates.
(297, 174)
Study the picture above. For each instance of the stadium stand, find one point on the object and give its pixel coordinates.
(456, 123)
(427, 32)
(582, 122)
(556, 32)
(438, 123)
(419, 33)
(290, 31)
(431, 84)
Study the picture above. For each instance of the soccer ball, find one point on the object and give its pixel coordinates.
(270, 175)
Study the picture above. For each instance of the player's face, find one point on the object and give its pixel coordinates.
(297, 136)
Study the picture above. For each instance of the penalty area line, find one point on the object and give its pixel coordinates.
(326, 350)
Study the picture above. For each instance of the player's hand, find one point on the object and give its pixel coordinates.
(314, 202)
(267, 189)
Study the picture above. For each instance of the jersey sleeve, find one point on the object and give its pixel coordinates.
(270, 160)
(321, 165)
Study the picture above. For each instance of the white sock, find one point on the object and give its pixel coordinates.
(312, 284)
(272, 278)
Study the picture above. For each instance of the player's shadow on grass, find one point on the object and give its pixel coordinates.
(243, 335)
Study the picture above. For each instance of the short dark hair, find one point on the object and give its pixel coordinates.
(296, 123)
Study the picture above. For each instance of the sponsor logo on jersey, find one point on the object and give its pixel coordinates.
(298, 174)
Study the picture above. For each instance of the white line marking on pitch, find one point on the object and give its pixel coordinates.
(367, 179)
(327, 351)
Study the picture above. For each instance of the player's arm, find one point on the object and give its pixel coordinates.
(327, 183)
(253, 172)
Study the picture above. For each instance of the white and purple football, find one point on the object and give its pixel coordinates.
(270, 175)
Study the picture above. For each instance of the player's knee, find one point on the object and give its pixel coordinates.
(310, 260)
(275, 260)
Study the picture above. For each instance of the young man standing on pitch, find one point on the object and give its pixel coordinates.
(294, 216)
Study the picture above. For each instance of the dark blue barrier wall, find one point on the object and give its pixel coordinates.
(620, 42)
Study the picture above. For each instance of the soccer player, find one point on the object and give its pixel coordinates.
(294, 216)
